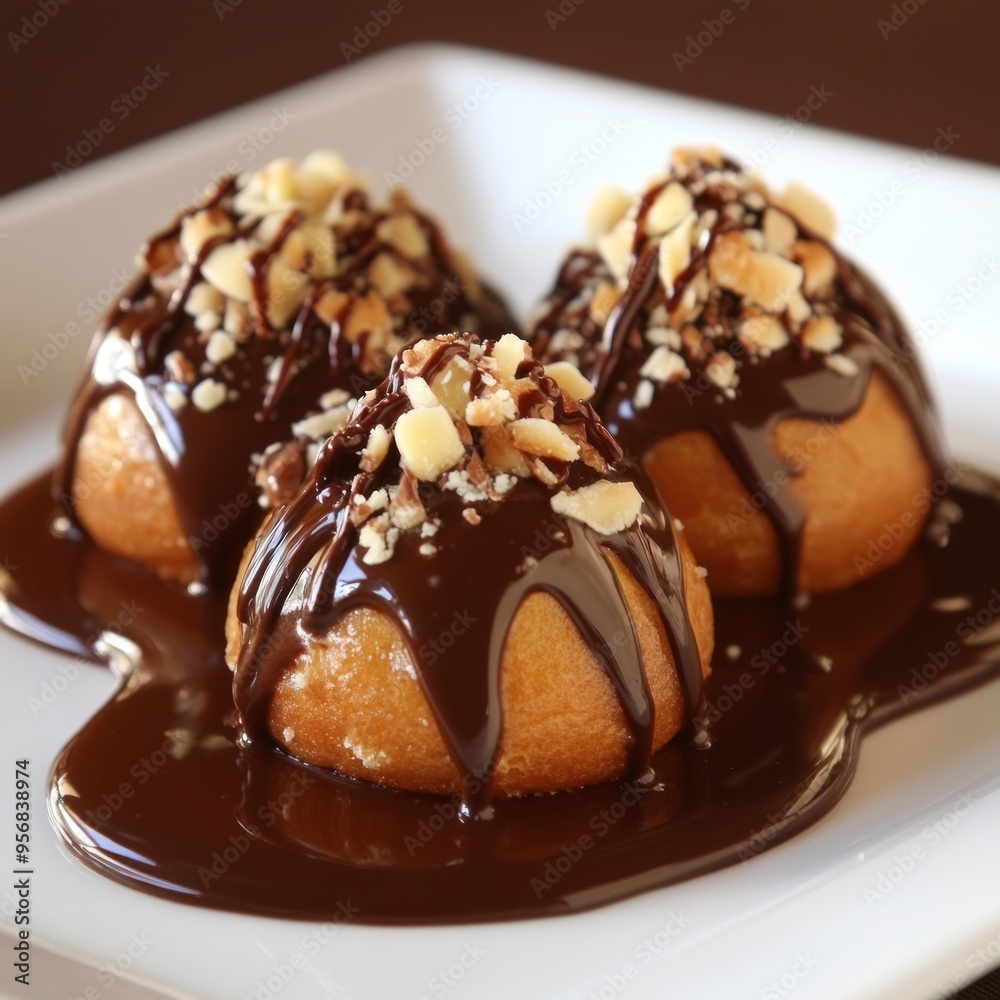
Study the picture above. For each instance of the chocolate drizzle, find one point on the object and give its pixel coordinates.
(787, 384)
(306, 840)
(207, 457)
(478, 569)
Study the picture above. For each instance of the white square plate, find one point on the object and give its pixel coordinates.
(507, 154)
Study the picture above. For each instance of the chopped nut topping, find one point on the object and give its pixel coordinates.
(204, 298)
(208, 395)
(568, 377)
(280, 253)
(406, 509)
(363, 507)
(675, 251)
(616, 246)
(802, 203)
(721, 369)
(819, 265)
(390, 275)
(376, 449)
(207, 322)
(428, 442)
(420, 460)
(544, 439)
(509, 353)
(227, 267)
(644, 393)
(606, 297)
(662, 336)
(766, 278)
(322, 425)
(403, 232)
(605, 506)
(420, 393)
(742, 273)
(663, 365)
(279, 472)
(175, 397)
(608, 207)
(842, 365)
(179, 367)
(333, 398)
(823, 334)
(764, 333)
(779, 232)
(379, 537)
(220, 347)
(672, 204)
(198, 229)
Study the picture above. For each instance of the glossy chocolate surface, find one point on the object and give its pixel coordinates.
(275, 378)
(485, 569)
(208, 822)
(790, 383)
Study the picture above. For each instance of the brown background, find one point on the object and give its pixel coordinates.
(939, 69)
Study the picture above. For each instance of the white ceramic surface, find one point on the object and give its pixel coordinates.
(800, 919)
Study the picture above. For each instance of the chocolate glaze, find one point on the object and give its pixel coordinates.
(212, 823)
(478, 569)
(214, 819)
(207, 457)
(791, 383)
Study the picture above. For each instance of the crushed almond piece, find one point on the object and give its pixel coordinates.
(804, 204)
(606, 209)
(664, 365)
(764, 277)
(208, 395)
(568, 377)
(672, 204)
(606, 297)
(842, 365)
(376, 449)
(543, 439)
(428, 442)
(406, 510)
(616, 247)
(604, 506)
(822, 334)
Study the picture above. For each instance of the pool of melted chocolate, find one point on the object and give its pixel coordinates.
(157, 792)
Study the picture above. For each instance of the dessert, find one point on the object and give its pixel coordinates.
(603, 661)
(760, 377)
(471, 587)
(262, 312)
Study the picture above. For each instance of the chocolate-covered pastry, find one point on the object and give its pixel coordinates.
(765, 383)
(471, 592)
(265, 310)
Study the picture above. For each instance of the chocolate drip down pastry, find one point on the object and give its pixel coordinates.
(764, 382)
(261, 313)
(471, 592)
